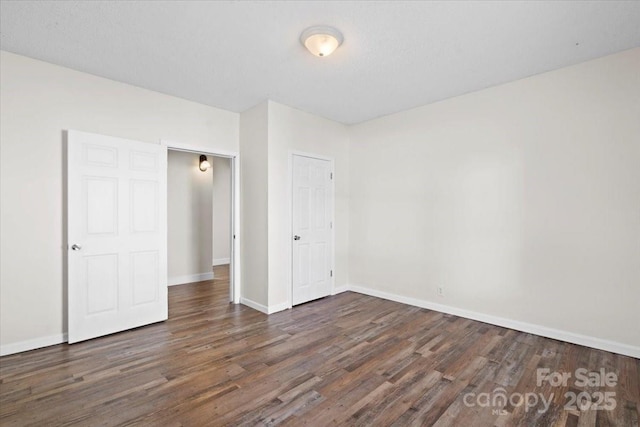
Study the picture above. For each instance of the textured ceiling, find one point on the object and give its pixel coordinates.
(396, 55)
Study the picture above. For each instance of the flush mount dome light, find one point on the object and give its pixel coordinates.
(321, 40)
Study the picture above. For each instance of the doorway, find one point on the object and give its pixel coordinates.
(202, 207)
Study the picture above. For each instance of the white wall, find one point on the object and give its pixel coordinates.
(221, 171)
(522, 201)
(189, 218)
(291, 129)
(253, 211)
(268, 134)
(37, 102)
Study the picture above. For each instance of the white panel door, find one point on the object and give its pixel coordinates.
(116, 231)
(312, 235)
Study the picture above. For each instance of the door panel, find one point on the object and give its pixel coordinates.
(144, 277)
(144, 205)
(312, 206)
(102, 283)
(116, 221)
(101, 205)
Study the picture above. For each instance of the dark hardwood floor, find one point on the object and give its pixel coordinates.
(343, 360)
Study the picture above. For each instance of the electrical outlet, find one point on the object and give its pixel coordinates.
(440, 291)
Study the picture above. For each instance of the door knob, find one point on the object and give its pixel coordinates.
(296, 237)
(75, 247)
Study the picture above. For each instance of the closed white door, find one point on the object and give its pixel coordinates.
(117, 256)
(312, 223)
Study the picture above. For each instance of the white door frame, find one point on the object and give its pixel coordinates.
(234, 279)
(332, 207)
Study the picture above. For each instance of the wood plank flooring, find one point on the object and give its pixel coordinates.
(348, 359)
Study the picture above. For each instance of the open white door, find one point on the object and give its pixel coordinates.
(312, 203)
(116, 224)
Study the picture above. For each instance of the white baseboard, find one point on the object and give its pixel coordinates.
(256, 306)
(191, 278)
(19, 347)
(221, 261)
(612, 346)
(263, 308)
(339, 290)
(601, 344)
(278, 307)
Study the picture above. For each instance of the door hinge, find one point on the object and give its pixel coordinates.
(331, 175)
(331, 224)
(331, 273)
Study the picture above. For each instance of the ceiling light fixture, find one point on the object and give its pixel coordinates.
(204, 163)
(321, 40)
